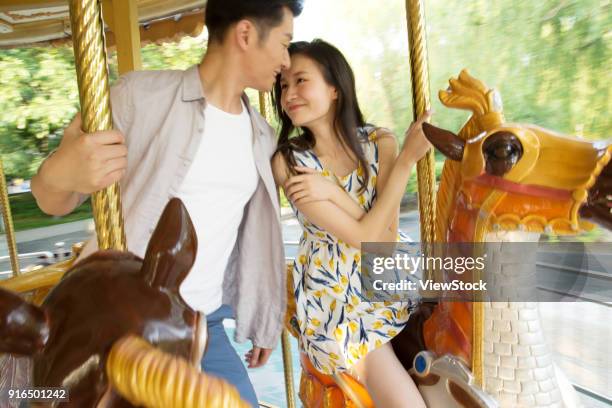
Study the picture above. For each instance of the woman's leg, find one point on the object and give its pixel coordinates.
(388, 383)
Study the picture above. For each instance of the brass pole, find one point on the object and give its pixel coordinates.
(415, 13)
(426, 167)
(288, 367)
(94, 93)
(8, 223)
(285, 344)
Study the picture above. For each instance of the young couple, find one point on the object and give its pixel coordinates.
(192, 134)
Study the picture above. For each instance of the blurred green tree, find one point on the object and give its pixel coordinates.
(550, 61)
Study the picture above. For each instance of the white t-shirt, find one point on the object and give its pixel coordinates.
(217, 186)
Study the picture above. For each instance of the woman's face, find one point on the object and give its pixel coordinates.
(305, 96)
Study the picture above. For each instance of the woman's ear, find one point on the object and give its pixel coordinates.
(334, 93)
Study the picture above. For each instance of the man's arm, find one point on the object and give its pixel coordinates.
(83, 164)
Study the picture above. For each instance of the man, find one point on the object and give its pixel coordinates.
(192, 134)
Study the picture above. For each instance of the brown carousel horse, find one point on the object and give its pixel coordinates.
(88, 321)
(502, 182)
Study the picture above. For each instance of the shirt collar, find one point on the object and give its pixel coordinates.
(192, 91)
(192, 87)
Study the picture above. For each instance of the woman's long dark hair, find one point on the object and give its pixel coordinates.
(337, 73)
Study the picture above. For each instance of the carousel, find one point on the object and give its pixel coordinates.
(502, 182)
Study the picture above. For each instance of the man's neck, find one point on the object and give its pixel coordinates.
(221, 80)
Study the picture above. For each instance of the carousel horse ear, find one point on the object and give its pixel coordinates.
(448, 143)
(23, 327)
(172, 249)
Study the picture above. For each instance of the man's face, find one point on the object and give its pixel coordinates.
(268, 56)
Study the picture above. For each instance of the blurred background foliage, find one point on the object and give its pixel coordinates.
(550, 60)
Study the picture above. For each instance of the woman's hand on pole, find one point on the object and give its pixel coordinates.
(416, 144)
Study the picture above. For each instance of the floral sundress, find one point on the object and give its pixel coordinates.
(337, 327)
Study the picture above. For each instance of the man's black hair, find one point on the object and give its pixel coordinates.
(266, 14)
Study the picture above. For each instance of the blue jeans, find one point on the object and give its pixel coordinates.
(221, 360)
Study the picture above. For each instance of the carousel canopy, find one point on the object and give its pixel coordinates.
(46, 22)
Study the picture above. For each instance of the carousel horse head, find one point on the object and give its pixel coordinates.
(506, 176)
(103, 298)
(505, 182)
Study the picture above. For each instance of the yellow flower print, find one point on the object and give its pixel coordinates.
(349, 308)
(374, 181)
(339, 334)
(361, 199)
(303, 259)
(331, 263)
(333, 356)
(360, 170)
(337, 288)
(377, 324)
(353, 326)
(363, 349)
(325, 173)
(388, 314)
(320, 234)
(344, 280)
(391, 333)
(315, 322)
(318, 293)
(355, 300)
(378, 343)
(309, 332)
(317, 262)
(332, 306)
(343, 257)
(354, 352)
(372, 136)
(357, 257)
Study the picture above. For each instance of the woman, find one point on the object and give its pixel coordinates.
(344, 180)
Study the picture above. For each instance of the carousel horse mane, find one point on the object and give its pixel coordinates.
(464, 92)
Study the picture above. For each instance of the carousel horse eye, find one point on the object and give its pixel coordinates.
(502, 150)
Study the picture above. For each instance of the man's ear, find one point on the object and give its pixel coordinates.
(245, 33)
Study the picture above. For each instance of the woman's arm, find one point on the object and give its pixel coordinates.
(387, 154)
(372, 226)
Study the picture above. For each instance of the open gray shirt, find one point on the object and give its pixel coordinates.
(161, 114)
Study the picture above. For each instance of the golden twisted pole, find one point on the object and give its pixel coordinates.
(426, 166)
(285, 339)
(8, 223)
(415, 15)
(146, 376)
(288, 368)
(94, 92)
